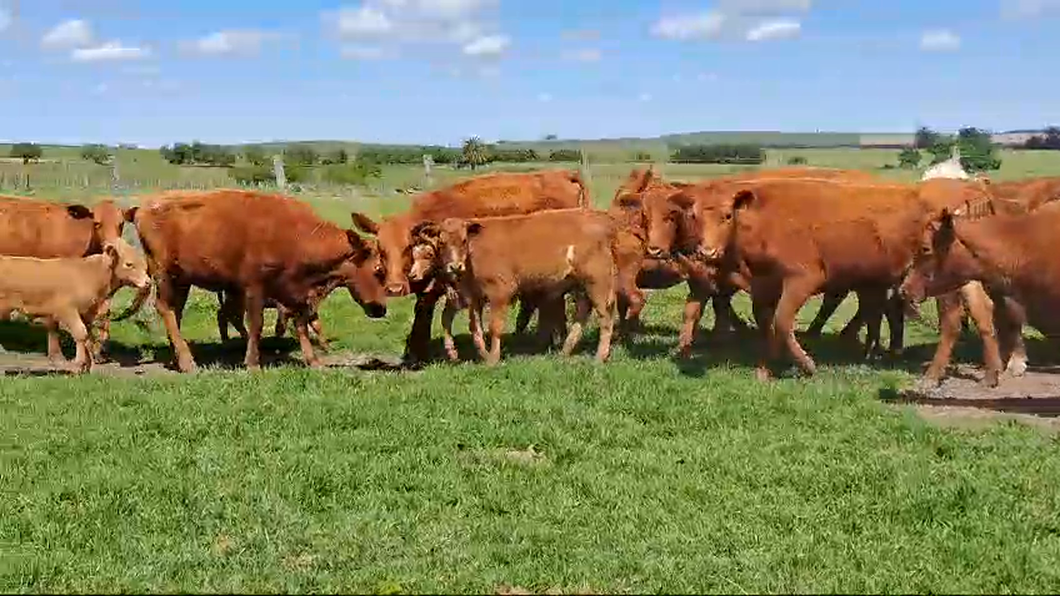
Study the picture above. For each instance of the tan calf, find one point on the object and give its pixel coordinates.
(69, 292)
(491, 260)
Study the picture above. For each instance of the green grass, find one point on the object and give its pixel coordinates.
(641, 475)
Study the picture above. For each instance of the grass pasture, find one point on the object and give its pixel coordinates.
(642, 475)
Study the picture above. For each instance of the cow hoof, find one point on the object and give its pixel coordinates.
(928, 384)
(991, 380)
(1017, 368)
(682, 352)
(763, 375)
(187, 367)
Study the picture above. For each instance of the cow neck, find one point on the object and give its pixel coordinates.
(993, 255)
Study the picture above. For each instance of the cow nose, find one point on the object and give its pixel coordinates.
(708, 252)
(655, 252)
(455, 267)
(395, 289)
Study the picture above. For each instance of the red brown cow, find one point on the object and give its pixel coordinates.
(485, 260)
(258, 245)
(796, 238)
(47, 230)
(686, 211)
(489, 195)
(69, 292)
(1013, 253)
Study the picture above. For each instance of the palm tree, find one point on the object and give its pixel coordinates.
(474, 152)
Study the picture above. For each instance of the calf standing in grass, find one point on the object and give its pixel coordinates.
(70, 292)
(549, 252)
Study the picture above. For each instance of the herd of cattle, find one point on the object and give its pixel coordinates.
(782, 235)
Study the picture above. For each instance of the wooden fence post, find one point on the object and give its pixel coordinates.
(277, 168)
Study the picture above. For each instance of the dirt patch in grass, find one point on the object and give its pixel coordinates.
(962, 401)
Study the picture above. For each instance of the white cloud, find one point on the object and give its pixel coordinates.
(111, 51)
(1028, 8)
(354, 52)
(74, 33)
(584, 55)
(468, 25)
(487, 46)
(940, 40)
(363, 21)
(231, 42)
(750, 20)
(644, 97)
(776, 29)
(705, 25)
(544, 97)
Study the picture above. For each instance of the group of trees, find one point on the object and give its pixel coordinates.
(1049, 139)
(198, 154)
(719, 154)
(27, 152)
(301, 161)
(95, 153)
(977, 148)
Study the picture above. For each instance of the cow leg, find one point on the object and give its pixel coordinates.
(222, 317)
(301, 329)
(318, 330)
(574, 335)
(280, 329)
(633, 296)
(474, 314)
(169, 302)
(950, 314)
(498, 317)
(872, 304)
(794, 295)
(72, 322)
(603, 298)
(829, 305)
(418, 341)
(55, 350)
(764, 305)
(527, 307)
(693, 313)
(101, 344)
(448, 315)
(254, 306)
(896, 324)
(1010, 318)
(981, 308)
(233, 313)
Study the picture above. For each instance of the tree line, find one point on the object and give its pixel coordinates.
(977, 148)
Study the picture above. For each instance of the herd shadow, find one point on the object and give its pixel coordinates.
(647, 342)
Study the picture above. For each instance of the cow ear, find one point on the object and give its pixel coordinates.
(78, 211)
(365, 223)
(474, 228)
(111, 252)
(681, 200)
(743, 199)
(426, 229)
(130, 214)
(361, 249)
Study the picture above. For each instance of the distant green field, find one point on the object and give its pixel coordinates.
(642, 475)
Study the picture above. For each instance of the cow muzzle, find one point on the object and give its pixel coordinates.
(656, 253)
(375, 310)
(710, 253)
(396, 290)
(456, 268)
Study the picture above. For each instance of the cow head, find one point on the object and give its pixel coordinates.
(452, 239)
(669, 217)
(394, 241)
(128, 266)
(425, 251)
(942, 264)
(711, 212)
(108, 220)
(360, 273)
(636, 183)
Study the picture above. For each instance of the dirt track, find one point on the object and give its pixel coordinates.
(962, 401)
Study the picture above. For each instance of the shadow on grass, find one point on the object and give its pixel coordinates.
(1039, 406)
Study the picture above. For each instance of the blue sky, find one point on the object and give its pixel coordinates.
(436, 71)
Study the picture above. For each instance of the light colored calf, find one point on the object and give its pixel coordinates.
(69, 292)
